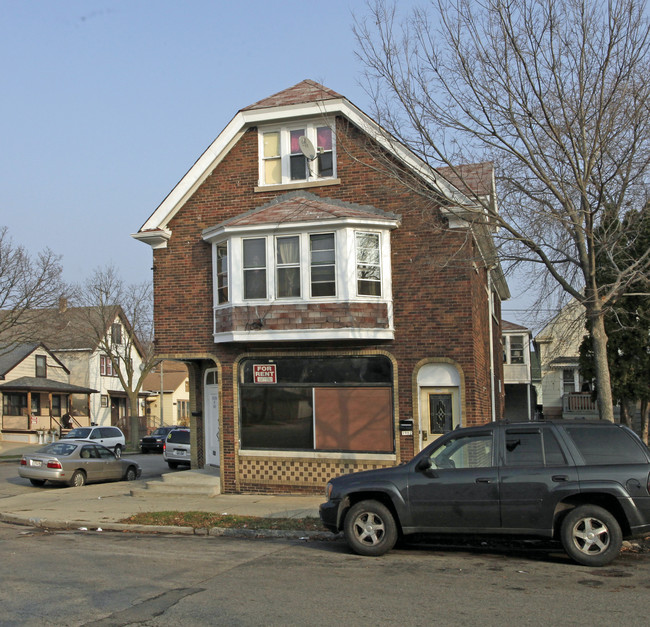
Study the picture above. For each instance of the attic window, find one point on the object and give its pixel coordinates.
(283, 161)
(116, 333)
(41, 366)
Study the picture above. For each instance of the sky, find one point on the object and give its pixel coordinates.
(106, 104)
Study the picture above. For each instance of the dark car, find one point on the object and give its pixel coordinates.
(154, 442)
(586, 484)
(76, 463)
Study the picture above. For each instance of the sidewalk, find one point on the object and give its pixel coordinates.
(102, 506)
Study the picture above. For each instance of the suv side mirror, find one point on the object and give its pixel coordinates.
(423, 464)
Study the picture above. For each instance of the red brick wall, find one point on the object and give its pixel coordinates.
(440, 301)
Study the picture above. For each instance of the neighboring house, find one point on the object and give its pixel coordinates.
(562, 391)
(168, 379)
(520, 397)
(332, 319)
(67, 332)
(36, 393)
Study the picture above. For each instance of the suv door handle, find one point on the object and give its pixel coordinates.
(484, 480)
(560, 478)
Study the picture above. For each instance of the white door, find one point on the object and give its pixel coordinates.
(211, 416)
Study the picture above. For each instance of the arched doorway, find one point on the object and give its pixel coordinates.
(211, 417)
(439, 400)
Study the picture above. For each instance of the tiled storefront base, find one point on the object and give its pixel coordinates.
(296, 475)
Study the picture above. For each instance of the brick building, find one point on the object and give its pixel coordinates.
(331, 317)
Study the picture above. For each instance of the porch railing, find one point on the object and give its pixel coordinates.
(579, 402)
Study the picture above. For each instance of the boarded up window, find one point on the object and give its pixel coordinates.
(354, 419)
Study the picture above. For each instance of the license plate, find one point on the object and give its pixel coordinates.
(35, 462)
(179, 451)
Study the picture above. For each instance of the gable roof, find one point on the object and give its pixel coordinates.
(173, 376)
(10, 359)
(304, 99)
(71, 328)
(305, 91)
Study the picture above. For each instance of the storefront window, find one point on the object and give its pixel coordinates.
(324, 404)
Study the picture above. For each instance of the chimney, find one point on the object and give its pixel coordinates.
(63, 304)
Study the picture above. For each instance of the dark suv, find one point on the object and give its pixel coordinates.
(154, 443)
(584, 483)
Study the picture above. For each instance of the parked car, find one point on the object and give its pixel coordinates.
(586, 484)
(76, 462)
(176, 449)
(154, 442)
(110, 437)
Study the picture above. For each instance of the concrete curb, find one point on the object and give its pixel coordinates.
(83, 525)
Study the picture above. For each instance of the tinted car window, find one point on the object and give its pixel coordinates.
(532, 448)
(606, 446)
(110, 432)
(78, 434)
(178, 436)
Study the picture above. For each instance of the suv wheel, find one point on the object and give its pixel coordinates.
(370, 528)
(591, 535)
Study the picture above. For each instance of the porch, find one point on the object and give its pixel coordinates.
(577, 405)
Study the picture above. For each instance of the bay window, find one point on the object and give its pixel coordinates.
(287, 266)
(323, 264)
(368, 264)
(222, 273)
(255, 268)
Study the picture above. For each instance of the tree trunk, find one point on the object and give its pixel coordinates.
(645, 414)
(601, 366)
(134, 422)
(626, 419)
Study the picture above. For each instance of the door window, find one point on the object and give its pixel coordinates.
(470, 451)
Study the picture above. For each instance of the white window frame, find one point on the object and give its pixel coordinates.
(358, 263)
(310, 128)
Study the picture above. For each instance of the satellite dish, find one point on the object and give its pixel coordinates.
(306, 147)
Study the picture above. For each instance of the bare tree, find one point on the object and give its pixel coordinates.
(27, 285)
(556, 94)
(104, 300)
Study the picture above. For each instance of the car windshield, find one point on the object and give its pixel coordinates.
(58, 448)
(78, 433)
(178, 436)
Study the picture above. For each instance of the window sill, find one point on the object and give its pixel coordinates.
(381, 457)
(299, 185)
(304, 335)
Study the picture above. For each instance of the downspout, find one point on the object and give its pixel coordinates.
(491, 335)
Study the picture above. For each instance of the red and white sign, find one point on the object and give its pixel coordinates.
(265, 374)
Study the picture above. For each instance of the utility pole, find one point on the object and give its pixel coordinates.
(162, 389)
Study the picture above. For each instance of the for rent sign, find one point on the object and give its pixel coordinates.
(266, 373)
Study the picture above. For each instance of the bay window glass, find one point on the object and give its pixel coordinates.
(323, 264)
(272, 158)
(222, 273)
(297, 161)
(288, 266)
(368, 264)
(255, 268)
